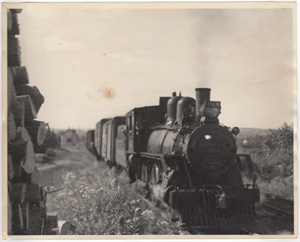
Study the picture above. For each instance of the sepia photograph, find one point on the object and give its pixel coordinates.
(157, 120)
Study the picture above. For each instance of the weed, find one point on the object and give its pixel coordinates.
(98, 202)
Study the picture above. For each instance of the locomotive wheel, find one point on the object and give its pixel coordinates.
(155, 177)
(132, 175)
(145, 178)
(145, 172)
(154, 180)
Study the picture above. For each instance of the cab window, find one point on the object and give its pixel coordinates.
(129, 123)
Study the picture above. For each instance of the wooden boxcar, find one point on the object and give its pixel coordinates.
(112, 133)
(98, 138)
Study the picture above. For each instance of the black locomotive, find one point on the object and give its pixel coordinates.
(184, 158)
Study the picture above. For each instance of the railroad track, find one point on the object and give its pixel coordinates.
(278, 205)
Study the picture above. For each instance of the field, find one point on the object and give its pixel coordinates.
(97, 201)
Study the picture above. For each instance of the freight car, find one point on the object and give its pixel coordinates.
(184, 158)
(111, 137)
(98, 137)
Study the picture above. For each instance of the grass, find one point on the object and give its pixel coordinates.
(98, 202)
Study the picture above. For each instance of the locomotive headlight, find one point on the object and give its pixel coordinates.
(235, 131)
(208, 137)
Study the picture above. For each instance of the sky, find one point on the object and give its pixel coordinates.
(91, 62)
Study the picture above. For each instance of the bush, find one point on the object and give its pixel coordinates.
(281, 138)
(273, 155)
(98, 202)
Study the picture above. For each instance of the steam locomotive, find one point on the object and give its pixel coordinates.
(184, 158)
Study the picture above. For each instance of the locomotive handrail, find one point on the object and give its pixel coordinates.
(164, 127)
(156, 156)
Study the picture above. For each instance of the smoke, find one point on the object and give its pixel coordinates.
(211, 30)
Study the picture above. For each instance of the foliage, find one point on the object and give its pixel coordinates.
(273, 155)
(98, 202)
(281, 138)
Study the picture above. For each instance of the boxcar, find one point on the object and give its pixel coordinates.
(98, 137)
(111, 134)
(120, 152)
(104, 138)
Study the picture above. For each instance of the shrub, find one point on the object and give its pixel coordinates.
(98, 202)
(273, 155)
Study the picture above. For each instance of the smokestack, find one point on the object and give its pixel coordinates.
(202, 95)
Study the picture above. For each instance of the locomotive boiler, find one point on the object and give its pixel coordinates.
(186, 159)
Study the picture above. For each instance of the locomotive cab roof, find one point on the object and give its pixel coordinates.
(145, 108)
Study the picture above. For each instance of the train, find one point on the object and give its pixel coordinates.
(184, 158)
